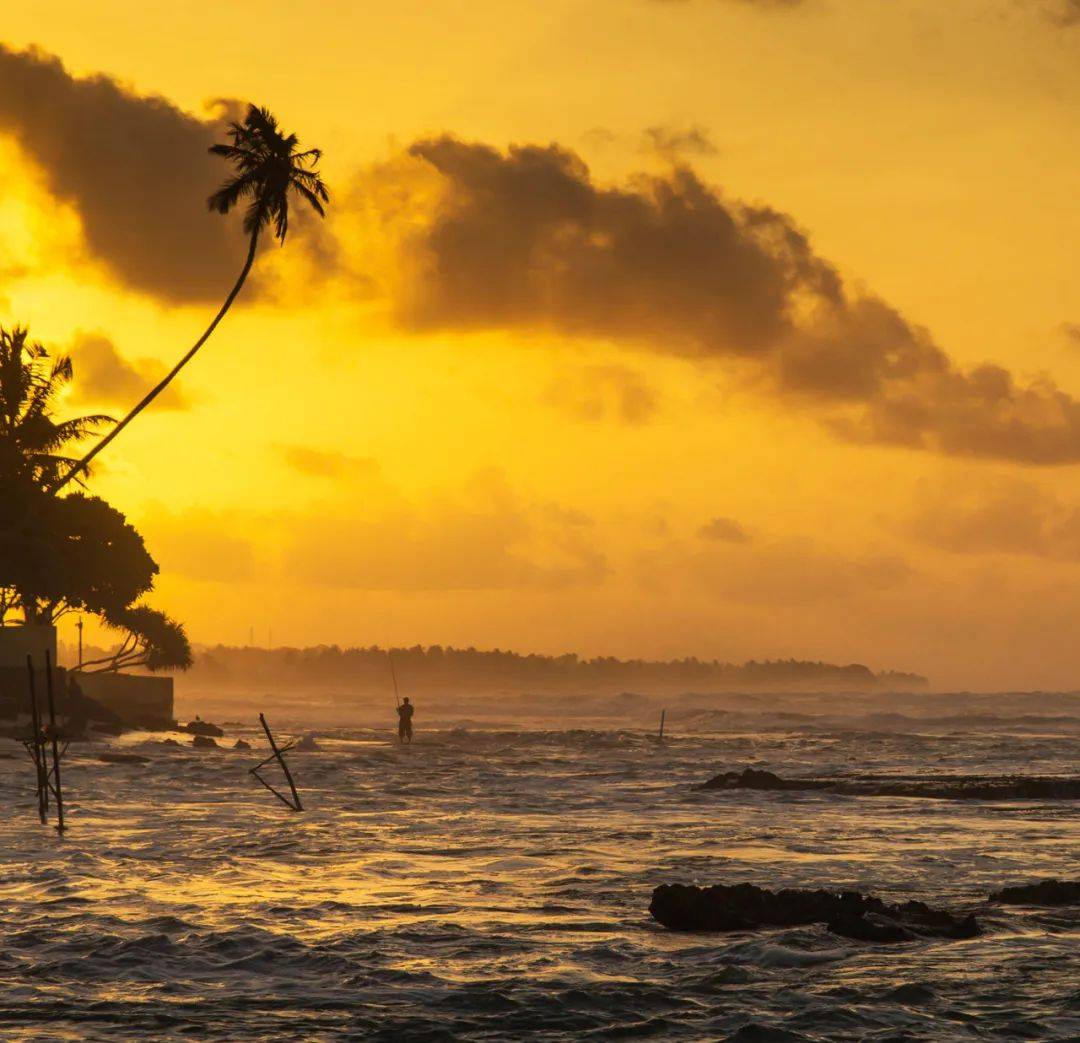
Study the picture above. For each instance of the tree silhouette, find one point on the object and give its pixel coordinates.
(268, 167)
(151, 639)
(31, 439)
(70, 554)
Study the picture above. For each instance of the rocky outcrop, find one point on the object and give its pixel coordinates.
(204, 742)
(1045, 892)
(744, 907)
(971, 787)
(754, 778)
(198, 727)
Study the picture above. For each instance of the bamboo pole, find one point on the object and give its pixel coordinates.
(57, 790)
(284, 767)
(36, 749)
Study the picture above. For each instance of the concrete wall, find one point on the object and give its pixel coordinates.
(17, 642)
(139, 700)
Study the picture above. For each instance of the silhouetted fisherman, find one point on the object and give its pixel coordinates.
(404, 728)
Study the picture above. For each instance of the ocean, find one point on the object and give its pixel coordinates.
(492, 882)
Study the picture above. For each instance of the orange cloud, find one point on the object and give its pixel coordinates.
(600, 392)
(482, 537)
(725, 530)
(1006, 517)
(135, 168)
(527, 240)
(319, 463)
(104, 377)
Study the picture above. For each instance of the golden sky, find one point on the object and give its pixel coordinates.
(733, 328)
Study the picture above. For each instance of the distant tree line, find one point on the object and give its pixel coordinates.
(471, 670)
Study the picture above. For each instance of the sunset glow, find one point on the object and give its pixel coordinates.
(749, 444)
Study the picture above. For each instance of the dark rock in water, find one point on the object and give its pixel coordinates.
(1006, 787)
(107, 728)
(870, 928)
(1045, 892)
(202, 728)
(204, 742)
(744, 907)
(169, 742)
(241, 744)
(307, 744)
(911, 993)
(753, 778)
(975, 787)
(123, 758)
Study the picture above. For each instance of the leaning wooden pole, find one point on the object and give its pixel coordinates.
(37, 751)
(281, 761)
(57, 789)
(663, 714)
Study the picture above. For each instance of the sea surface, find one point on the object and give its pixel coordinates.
(492, 881)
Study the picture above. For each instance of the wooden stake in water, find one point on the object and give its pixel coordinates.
(35, 748)
(58, 791)
(278, 756)
(663, 714)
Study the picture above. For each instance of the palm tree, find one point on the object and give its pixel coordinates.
(31, 439)
(268, 166)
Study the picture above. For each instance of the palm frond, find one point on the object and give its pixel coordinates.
(268, 165)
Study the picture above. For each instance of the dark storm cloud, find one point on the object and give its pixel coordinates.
(135, 168)
(527, 240)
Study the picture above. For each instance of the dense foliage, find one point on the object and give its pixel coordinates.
(73, 553)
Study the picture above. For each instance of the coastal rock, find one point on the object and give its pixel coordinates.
(754, 778)
(307, 744)
(744, 907)
(241, 744)
(204, 742)
(972, 787)
(202, 728)
(1045, 892)
(123, 758)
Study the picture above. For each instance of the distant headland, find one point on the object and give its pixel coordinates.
(469, 670)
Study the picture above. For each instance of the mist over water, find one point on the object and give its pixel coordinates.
(492, 881)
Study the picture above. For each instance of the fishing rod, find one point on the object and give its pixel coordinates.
(393, 674)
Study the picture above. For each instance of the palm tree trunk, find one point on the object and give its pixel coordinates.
(84, 463)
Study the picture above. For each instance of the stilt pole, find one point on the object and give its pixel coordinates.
(36, 749)
(296, 805)
(663, 714)
(57, 789)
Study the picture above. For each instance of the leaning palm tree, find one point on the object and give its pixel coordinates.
(31, 438)
(268, 166)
